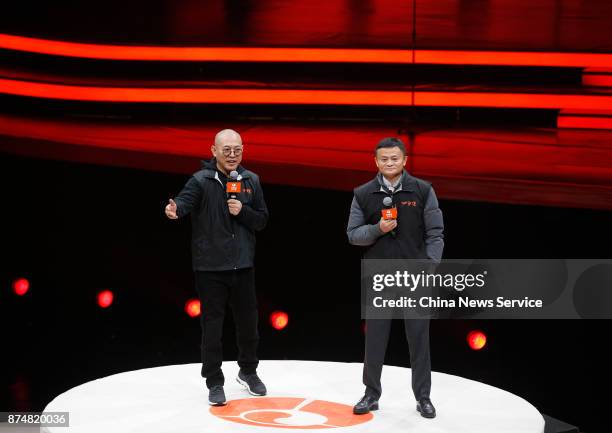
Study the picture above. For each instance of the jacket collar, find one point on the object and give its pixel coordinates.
(210, 170)
(406, 181)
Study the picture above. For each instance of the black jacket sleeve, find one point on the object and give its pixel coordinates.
(189, 197)
(255, 215)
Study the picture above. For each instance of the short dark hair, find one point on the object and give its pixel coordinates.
(391, 142)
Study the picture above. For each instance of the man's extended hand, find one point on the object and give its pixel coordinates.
(235, 206)
(387, 225)
(171, 210)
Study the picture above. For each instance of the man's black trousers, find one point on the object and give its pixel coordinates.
(217, 290)
(377, 337)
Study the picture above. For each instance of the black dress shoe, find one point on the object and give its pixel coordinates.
(365, 405)
(426, 408)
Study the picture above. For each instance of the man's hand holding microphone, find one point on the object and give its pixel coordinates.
(233, 187)
(387, 225)
(388, 220)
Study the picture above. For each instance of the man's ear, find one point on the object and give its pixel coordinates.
(212, 150)
(405, 160)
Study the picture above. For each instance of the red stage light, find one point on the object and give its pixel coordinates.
(279, 320)
(105, 298)
(193, 307)
(476, 340)
(21, 286)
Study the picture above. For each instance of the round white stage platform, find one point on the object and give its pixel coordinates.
(302, 395)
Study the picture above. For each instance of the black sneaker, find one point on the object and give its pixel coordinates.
(216, 396)
(253, 383)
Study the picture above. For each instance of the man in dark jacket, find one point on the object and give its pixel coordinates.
(416, 233)
(223, 252)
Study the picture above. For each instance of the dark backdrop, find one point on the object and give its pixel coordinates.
(76, 229)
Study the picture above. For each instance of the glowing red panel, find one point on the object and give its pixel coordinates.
(537, 166)
(334, 55)
(584, 120)
(512, 58)
(597, 77)
(202, 54)
(319, 97)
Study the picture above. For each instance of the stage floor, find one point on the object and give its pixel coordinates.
(302, 395)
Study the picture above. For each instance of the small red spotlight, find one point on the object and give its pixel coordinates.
(476, 340)
(21, 286)
(105, 298)
(279, 320)
(193, 307)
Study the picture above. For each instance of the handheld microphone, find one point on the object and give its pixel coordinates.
(233, 186)
(389, 212)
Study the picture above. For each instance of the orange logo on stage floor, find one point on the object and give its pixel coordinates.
(289, 412)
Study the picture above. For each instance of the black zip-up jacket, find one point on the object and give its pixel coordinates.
(219, 240)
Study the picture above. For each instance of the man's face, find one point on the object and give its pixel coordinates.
(228, 153)
(390, 161)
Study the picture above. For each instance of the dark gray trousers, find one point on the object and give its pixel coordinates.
(377, 337)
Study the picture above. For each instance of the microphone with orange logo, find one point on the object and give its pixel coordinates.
(389, 212)
(233, 186)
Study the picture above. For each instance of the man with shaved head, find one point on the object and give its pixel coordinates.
(227, 208)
